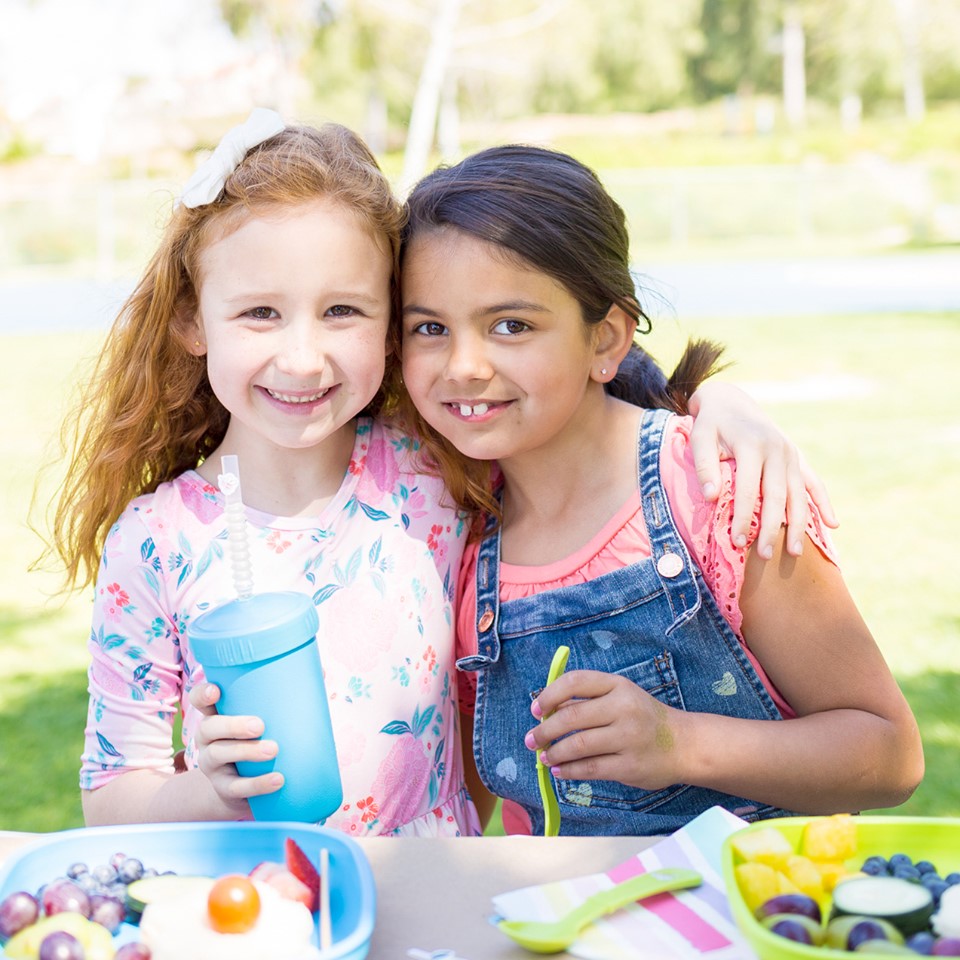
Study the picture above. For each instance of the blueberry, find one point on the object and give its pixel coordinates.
(906, 872)
(900, 860)
(77, 870)
(921, 942)
(925, 866)
(952, 878)
(936, 890)
(875, 866)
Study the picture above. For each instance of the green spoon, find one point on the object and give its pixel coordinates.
(551, 808)
(556, 936)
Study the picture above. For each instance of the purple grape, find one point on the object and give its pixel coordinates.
(133, 951)
(77, 870)
(17, 911)
(116, 859)
(60, 945)
(105, 873)
(790, 903)
(88, 883)
(865, 930)
(107, 911)
(130, 870)
(792, 930)
(64, 896)
(946, 947)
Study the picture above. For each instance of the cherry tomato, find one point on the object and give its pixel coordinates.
(233, 904)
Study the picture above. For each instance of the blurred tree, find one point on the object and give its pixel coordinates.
(740, 47)
(449, 29)
(415, 66)
(620, 55)
(939, 22)
(288, 28)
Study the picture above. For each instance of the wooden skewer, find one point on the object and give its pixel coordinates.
(326, 933)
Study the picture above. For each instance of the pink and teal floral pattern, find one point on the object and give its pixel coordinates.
(380, 564)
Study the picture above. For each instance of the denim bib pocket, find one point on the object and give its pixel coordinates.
(657, 677)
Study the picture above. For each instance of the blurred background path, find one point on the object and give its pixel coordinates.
(912, 282)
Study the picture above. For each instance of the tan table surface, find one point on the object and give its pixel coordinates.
(435, 894)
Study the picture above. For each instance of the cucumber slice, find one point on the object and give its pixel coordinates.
(140, 893)
(907, 905)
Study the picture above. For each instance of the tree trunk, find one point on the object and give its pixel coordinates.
(794, 70)
(423, 116)
(448, 126)
(914, 100)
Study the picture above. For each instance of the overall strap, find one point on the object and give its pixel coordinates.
(672, 560)
(487, 614)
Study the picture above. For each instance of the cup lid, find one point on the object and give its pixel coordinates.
(256, 628)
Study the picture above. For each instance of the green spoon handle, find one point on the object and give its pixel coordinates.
(643, 885)
(551, 808)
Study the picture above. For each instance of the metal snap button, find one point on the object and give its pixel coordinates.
(485, 621)
(669, 565)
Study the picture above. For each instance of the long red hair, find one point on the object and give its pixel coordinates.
(147, 412)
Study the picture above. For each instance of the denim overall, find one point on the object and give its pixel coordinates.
(656, 623)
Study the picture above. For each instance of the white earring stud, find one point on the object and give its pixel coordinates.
(603, 371)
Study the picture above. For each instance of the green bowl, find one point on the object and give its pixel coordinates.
(922, 838)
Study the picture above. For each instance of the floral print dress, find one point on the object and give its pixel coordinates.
(381, 565)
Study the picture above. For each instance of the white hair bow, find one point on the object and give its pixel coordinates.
(205, 185)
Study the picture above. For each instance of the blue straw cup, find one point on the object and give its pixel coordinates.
(262, 653)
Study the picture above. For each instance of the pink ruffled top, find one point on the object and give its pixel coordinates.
(705, 527)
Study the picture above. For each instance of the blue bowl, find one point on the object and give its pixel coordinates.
(211, 849)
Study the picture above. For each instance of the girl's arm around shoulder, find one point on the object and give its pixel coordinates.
(730, 424)
(707, 525)
(854, 744)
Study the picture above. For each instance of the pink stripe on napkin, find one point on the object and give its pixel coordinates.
(688, 923)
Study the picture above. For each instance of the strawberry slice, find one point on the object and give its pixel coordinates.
(266, 869)
(298, 863)
(289, 886)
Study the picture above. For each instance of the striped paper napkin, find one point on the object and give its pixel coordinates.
(686, 925)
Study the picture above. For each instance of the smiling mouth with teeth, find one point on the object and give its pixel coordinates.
(295, 398)
(478, 409)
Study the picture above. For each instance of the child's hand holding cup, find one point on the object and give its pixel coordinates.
(262, 653)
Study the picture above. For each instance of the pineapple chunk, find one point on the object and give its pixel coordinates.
(831, 873)
(757, 882)
(830, 838)
(763, 845)
(804, 873)
(785, 884)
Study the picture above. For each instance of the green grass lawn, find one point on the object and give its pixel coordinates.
(888, 446)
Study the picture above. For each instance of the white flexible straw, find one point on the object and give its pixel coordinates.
(229, 483)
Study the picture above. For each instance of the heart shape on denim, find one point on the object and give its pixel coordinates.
(580, 794)
(726, 686)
